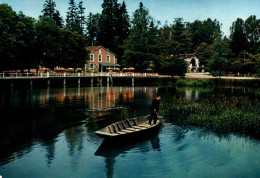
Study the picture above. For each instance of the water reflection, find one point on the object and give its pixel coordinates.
(41, 114)
(57, 135)
(49, 145)
(110, 149)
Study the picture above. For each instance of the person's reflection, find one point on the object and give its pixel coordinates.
(111, 149)
(155, 142)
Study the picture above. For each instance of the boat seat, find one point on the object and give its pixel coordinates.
(131, 123)
(126, 124)
(135, 121)
(134, 129)
(138, 127)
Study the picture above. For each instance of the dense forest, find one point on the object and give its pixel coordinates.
(139, 41)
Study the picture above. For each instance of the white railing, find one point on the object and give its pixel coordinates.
(58, 74)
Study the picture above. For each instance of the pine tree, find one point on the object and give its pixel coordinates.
(49, 8)
(238, 38)
(136, 47)
(81, 14)
(122, 25)
(92, 28)
(49, 11)
(72, 12)
(106, 33)
(72, 19)
(180, 37)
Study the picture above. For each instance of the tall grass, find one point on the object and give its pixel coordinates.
(219, 113)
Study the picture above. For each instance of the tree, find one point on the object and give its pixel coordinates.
(106, 34)
(136, 47)
(48, 8)
(73, 22)
(47, 42)
(49, 11)
(174, 66)
(11, 42)
(203, 31)
(252, 28)
(92, 28)
(122, 25)
(204, 52)
(81, 15)
(27, 54)
(72, 51)
(72, 12)
(58, 19)
(217, 65)
(238, 37)
(180, 37)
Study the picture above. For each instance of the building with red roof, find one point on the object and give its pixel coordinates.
(100, 59)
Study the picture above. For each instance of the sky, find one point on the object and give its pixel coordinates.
(225, 11)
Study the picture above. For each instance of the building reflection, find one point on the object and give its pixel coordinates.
(191, 94)
(97, 98)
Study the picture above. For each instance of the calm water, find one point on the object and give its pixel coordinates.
(50, 133)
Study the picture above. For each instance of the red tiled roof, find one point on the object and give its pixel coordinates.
(91, 48)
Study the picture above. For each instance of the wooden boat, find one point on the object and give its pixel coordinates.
(129, 127)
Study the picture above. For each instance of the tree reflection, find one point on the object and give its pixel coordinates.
(74, 138)
(49, 144)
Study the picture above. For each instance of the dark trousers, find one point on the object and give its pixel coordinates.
(153, 116)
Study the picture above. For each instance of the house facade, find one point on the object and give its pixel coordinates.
(100, 59)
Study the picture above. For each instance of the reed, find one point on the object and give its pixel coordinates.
(219, 112)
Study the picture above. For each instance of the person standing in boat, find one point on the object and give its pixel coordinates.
(154, 110)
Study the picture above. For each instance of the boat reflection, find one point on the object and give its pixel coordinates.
(110, 149)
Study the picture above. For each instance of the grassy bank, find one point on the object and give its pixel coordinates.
(194, 82)
(218, 113)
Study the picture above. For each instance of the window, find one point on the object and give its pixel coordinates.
(108, 58)
(92, 58)
(99, 58)
(91, 66)
(99, 51)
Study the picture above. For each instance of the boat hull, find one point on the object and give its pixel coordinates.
(131, 128)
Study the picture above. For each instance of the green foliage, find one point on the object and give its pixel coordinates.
(58, 47)
(49, 11)
(252, 26)
(92, 28)
(217, 65)
(16, 39)
(194, 83)
(204, 52)
(47, 38)
(73, 51)
(140, 47)
(238, 38)
(75, 18)
(203, 32)
(140, 42)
